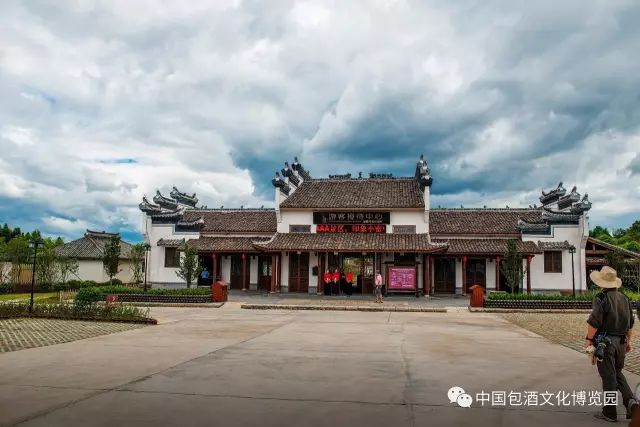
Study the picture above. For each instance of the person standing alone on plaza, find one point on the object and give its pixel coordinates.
(377, 289)
(609, 330)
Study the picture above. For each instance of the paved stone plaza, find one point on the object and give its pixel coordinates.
(19, 334)
(230, 367)
(569, 330)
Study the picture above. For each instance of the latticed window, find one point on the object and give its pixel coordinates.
(553, 261)
(171, 257)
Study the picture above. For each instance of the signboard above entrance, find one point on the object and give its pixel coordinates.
(350, 228)
(402, 278)
(351, 217)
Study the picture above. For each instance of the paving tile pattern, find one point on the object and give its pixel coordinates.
(20, 334)
(567, 329)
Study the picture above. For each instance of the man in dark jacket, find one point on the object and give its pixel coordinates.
(610, 323)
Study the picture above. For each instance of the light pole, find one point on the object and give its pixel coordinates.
(33, 244)
(147, 248)
(572, 250)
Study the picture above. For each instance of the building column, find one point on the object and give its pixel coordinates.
(321, 268)
(279, 275)
(498, 259)
(425, 274)
(244, 272)
(273, 273)
(529, 274)
(214, 269)
(464, 275)
(432, 288)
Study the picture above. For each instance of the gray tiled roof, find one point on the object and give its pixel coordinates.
(357, 194)
(486, 246)
(487, 222)
(367, 242)
(224, 244)
(550, 246)
(234, 220)
(91, 246)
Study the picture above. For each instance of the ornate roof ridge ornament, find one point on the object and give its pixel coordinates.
(340, 176)
(423, 173)
(582, 206)
(183, 198)
(569, 199)
(297, 166)
(280, 183)
(287, 172)
(553, 195)
(164, 202)
(149, 208)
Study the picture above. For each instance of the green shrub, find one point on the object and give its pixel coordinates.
(6, 288)
(499, 296)
(74, 285)
(105, 290)
(87, 297)
(61, 287)
(113, 282)
(117, 290)
(88, 284)
(72, 311)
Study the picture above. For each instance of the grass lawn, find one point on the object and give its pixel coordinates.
(40, 296)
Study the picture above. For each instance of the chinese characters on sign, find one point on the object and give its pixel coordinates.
(351, 217)
(350, 228)
(534, 398)
(402, 278)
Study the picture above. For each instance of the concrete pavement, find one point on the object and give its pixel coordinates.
(229, 367)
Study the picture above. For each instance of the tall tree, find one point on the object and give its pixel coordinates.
(67, 267)
(111, 257)
(137, 254)
(189, 266)
(46, 265)
(512, 267)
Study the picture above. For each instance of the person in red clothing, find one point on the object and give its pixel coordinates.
(327, 278)
(335, 286)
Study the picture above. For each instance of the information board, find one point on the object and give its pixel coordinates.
(402, 278)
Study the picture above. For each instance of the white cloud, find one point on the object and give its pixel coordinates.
(213, 96)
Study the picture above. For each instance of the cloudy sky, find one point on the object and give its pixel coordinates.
(105, 101)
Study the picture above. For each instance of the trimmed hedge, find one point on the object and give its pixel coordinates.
(499, 296)
(107, 313)
(120, 290)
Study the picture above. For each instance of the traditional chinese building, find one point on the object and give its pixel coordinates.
(363, 224)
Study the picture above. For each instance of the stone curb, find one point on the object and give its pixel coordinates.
(343, 308)
(173, 304)
(80, 318)
(527, 310)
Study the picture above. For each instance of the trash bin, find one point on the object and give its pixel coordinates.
(477, 296)
(219, 291)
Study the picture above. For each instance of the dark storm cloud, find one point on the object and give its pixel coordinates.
(111, 101)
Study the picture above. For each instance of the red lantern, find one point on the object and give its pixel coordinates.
(498, 259)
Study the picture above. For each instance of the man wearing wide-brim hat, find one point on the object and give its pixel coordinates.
(610, 323)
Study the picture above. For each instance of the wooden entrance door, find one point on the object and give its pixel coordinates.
(476, 273)
(264, 272)
(236, 272)
(444, 275)
(299, 272)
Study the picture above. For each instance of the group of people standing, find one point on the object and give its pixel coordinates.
(337, 282)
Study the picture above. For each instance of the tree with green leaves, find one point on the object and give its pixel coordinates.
(111, 257)
(189, 267)
(47, 265)
(615, 260)
(67, 267)
(137, 254)
(511, 266)
(18, 254)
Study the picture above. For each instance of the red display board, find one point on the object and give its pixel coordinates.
(350, 228)
(402, 278)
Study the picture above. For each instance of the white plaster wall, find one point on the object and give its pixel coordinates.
(295, 218)
(458, 276)
(416, 218)
(284, 273)
(313, 280)
(253, 272)
(490, 268)
(225, 266)
(541, 281)
(93, 270)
